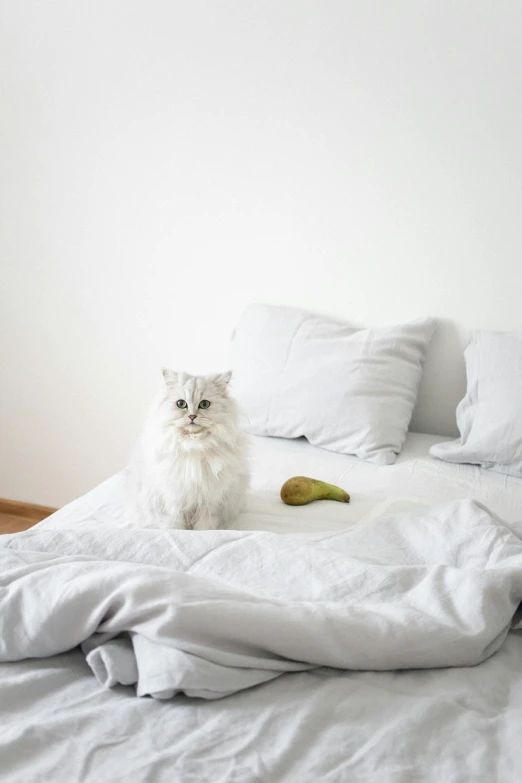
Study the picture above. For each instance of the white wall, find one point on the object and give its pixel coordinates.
(165, 163)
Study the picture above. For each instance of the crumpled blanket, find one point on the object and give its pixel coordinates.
(211, 613)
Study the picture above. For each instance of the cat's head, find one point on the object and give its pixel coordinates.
(197, 404)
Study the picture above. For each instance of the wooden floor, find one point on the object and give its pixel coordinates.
(9, 523)
(16, 516)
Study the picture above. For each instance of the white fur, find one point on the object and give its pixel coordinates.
(189, 475)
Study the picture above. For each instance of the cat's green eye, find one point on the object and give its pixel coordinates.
(204, 404)
(181, 404)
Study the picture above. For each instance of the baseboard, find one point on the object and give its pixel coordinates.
(28, 510)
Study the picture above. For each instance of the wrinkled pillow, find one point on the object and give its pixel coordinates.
(489, 417)
(347, 390)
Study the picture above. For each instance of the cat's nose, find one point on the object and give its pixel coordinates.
(192, 417)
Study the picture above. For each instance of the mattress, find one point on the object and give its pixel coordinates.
(415, 478)
(457, 724)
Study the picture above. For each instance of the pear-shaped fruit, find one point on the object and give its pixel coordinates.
(300, 490)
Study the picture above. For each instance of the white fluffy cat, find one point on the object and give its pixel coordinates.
(190, 467)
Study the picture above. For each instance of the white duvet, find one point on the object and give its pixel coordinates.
(329, 624)
(225, 611)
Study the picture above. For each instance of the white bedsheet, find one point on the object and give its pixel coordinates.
(458, 724)
(415, 476)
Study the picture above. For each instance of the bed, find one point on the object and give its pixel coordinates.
(460, 723)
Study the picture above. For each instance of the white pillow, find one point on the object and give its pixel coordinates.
(346, 390)
(489, 417)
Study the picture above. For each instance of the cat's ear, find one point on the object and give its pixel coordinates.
(222, 380)
(170, 377)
